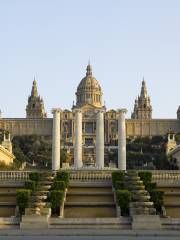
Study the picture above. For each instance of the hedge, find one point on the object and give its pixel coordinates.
(34, 176)
(145, 176)
(124, 197)
(56, 198)
(150, 186)
(30, 184)
(157, 199)
(63, 176)
(58, 185)
(120, 185)
(118, 176)
(22, 199)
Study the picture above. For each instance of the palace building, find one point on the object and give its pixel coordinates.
(89, 99)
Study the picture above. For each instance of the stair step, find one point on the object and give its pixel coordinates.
(90, 204)
(7, 203)
(89, 189)
(89, 211)
(89, 193)
(89, 198)
(90, 223)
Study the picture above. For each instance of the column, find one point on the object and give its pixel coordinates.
(122, 139)
(56, 149)
(100, 139)
(78, 139)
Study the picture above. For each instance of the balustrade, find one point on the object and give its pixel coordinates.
(89, 175)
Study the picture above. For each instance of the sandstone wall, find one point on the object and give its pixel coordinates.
(23, 126)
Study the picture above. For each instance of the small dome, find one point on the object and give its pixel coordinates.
(89, 90)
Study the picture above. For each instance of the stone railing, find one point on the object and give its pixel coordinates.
(93, 174)
(14, 175)
(90, 175)
(163, 175)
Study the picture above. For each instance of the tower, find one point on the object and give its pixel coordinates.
(142, 106)
(178, 113)
(171, 143)
(35, 107)
(6, 143)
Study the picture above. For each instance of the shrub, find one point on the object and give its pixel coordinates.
(157, 199)
(120, 185)
(22, 199)
(118, 176)
(145, 176)
(58, 185)
(63, 176)
(124, 197)
(150, 186)
(34, 176)
(31, 185)
(56, 198)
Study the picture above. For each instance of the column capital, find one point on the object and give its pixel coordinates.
(122, 111)
(77, 110)
(54, 110)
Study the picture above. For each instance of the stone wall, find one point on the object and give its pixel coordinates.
(23, 126)
(134, 127)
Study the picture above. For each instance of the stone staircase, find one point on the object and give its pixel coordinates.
(40, 195)
(90, 201)
(142, 209)
(141, 203)
(90, 206)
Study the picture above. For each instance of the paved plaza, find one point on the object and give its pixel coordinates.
(88, 237)
(86, 234)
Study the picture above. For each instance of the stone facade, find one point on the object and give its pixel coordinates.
(6, 154)
(35, 107)
(89, 100)
(178, 113)
(142, 106)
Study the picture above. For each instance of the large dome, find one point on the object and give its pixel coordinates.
(89, 90)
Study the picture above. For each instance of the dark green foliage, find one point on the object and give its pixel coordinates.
(20, 156)
(118, 176)
(157, 140)
(64, 155)
(150, 186)
(33, 148)
(135, 159)
(124, 197)
(56, 198)
(147, 153)
(22, 199)
(145, 176)
(59, 185)
(161, 162)
(34, 176)
(157, 198)
(63, 176)
(120, 185)
(31, 185)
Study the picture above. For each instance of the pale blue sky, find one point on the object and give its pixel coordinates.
(125, 40)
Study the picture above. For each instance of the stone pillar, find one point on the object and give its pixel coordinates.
(56, 149)
(100, 139)
(78, 139)
(122, 139)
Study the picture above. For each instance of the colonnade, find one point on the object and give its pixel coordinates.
(99, 139)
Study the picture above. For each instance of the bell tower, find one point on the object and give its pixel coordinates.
(35, 107)
(142, 106)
